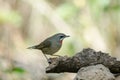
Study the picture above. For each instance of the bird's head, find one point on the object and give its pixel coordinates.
(60, 37)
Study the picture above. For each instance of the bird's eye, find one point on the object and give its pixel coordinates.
(61, 36)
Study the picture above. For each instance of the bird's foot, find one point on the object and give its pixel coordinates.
(49, 61)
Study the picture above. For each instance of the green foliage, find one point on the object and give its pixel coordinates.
(15, 70)
(71, 49)
(10, 17)
(18, 70)
(67, 10)
(112, 8)
(97, 7)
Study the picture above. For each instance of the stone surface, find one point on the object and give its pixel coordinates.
(117, 78)
(97, 72)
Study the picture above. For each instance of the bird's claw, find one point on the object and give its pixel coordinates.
(49, 61)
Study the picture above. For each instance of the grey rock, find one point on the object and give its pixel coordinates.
(96, 72)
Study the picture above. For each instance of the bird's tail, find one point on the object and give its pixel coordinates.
(32, 47)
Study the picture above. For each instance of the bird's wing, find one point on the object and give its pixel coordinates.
(44, 44)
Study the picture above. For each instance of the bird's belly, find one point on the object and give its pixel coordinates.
(50, 51)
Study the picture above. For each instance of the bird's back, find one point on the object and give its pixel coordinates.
(50, 47)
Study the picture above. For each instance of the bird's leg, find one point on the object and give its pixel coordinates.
(47, 59)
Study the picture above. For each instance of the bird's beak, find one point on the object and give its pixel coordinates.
(67, 36)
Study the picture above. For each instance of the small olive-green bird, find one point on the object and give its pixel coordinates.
(50, 45)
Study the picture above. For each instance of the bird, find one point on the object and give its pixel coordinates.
(50, 45)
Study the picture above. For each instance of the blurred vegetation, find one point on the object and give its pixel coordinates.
(91, 23)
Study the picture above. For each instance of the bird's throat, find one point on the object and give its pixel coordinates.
(61, 41)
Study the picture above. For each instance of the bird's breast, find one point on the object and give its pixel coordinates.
(52, 49)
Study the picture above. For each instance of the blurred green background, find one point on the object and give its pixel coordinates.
(23, 23)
